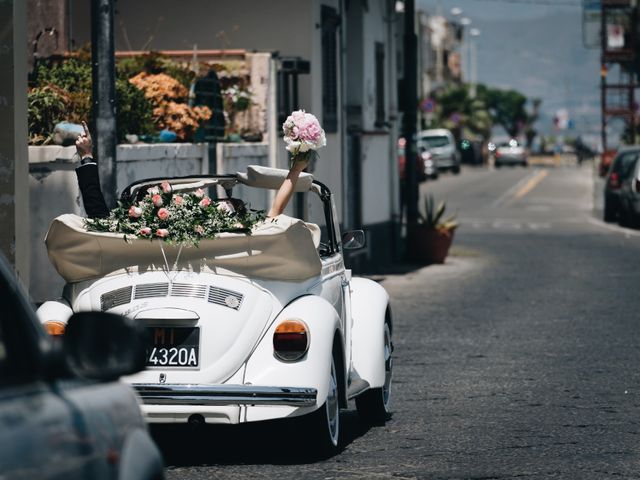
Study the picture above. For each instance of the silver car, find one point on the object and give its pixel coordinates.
(63, 413)
(441, 144)
(510, 153)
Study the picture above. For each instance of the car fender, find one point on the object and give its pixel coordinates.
(369, 305)
(311, 371)
(140, 458)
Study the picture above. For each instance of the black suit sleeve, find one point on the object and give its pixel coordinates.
(92, 197)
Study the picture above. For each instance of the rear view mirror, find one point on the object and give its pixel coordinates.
(353, 240)
(104, 346)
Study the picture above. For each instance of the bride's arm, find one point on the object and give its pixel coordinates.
(287, 188)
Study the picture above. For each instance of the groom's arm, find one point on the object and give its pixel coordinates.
(89, 183)
(88, 179)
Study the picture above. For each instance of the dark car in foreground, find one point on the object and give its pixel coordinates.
(630, 196)
(63, 413)
(620, 171)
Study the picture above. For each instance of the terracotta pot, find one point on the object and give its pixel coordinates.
(429, 245)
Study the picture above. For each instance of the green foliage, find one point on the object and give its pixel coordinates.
(433, 216)
(463, 115)
(508, 109)
(154, 63)
(189, 217)
(46, 107)
(134, 113)
(458, 112)
(64, 92)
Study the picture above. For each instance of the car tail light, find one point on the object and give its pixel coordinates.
(497, 153)
(54, 328)
(614, 180)
(291, 340)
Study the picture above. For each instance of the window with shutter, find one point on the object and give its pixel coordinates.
(329, 25)
(380, 100)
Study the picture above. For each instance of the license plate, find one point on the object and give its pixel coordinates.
(173, 347)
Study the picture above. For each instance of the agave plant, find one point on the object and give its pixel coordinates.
(433, 216)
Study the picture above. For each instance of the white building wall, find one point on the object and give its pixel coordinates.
(378, 157)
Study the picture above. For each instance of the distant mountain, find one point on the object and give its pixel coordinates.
(543, 58)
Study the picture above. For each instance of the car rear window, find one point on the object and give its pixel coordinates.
(624, 163)
(435, 141)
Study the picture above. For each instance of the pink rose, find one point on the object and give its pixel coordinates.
(145, 232)
(199, 193)
(205, 202)
(157, 200)
(153, 190)
(199, 230)
(178, 200)
(135, 212)
(163, 214)
(166, 187)
(162, 232)
(225, 207)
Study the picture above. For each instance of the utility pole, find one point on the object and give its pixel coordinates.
(104, 91)
(409, 118)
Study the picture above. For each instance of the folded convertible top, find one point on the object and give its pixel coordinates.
(283, 248)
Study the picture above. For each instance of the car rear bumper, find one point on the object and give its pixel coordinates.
(225, 395)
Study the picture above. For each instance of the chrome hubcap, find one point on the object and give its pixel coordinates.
(388, 368)
(333, 410)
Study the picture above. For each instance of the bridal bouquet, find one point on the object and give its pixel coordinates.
(181, 218)
(303, 135)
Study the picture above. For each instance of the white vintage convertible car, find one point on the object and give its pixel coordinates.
(244, 327)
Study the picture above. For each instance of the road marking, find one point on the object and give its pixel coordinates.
(514, 188)
(531, 184)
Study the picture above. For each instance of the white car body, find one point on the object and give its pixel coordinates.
(441, 144)
(238, 377)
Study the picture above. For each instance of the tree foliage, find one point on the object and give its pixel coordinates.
(466, 116)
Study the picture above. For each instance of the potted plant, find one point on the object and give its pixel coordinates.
(431, 238)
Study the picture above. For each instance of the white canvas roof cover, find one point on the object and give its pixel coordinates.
(283, 248)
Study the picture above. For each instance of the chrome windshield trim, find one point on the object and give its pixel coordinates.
(184, 394)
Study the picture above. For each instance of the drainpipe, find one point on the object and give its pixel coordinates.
(103, 98)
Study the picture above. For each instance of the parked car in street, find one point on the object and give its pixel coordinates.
(243, 327)
(62, 410)
(510, 153)
(441, 144)
(620, 171)
(630, 195)
(424, 168)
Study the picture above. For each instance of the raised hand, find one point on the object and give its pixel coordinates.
(84, 145)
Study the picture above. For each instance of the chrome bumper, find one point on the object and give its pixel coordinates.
(182, 394)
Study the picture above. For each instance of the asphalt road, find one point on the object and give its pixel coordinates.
(517, 358)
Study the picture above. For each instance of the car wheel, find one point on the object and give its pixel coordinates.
(374, 404)
(610, 213)
(456, 169)
(322, 427)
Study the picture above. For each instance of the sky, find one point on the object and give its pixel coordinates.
(502, 9)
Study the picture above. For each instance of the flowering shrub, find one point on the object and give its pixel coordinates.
(170, 110)
(182, 218)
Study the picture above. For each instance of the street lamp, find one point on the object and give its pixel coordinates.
(464, 22)
(473, 58)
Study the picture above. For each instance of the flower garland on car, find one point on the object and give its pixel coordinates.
(180, 218)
